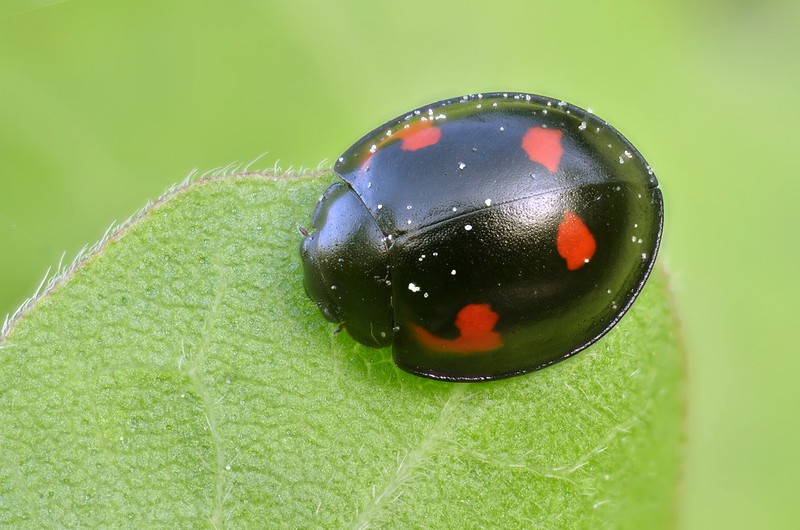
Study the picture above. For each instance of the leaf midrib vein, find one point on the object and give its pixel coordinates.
(414, 459)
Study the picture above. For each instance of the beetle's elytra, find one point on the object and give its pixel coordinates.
(484, 236)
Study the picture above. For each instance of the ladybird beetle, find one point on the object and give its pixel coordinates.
(484, 236)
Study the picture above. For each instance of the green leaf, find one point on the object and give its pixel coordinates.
(179, 377)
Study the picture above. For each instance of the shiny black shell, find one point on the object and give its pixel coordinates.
(484, 236)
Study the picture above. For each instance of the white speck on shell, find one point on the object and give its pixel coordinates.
(413, 287)
(467, 227)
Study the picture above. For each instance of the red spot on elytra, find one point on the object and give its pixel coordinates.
(367, 159)
(475, 323)
(575, 241)
(419, 135)
(544, 146)
(414, 137)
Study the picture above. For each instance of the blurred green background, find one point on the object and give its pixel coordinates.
(105, 104)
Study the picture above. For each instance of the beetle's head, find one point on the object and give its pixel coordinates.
(346, 267)
(321, 291)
